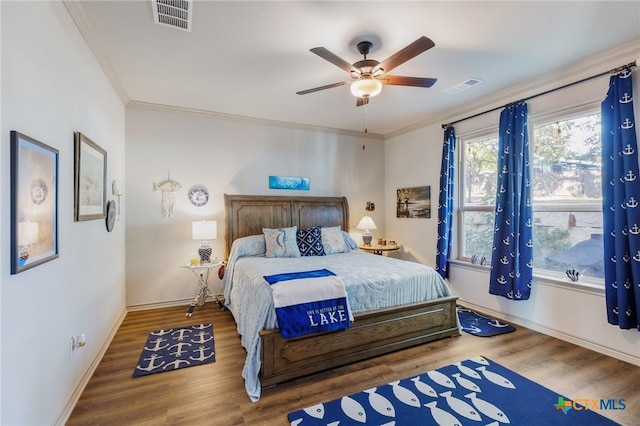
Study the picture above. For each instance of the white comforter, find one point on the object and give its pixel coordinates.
(371, 281)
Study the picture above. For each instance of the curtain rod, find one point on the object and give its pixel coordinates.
(635, 63)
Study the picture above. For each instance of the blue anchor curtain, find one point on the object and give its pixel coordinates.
(512, 256)
(620, 199)
(445, 202)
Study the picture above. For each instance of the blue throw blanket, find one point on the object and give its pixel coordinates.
(309, 302)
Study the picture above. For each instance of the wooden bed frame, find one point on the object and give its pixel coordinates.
(372, 333)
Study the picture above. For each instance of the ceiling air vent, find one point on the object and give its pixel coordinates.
(463, 86)
(173, 13)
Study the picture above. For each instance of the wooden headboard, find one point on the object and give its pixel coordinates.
(248, 214)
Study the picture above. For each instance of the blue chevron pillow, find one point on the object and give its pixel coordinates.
(310, 242)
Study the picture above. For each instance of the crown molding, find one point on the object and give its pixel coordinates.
(252, 120)
(576, 71)
(79, 17)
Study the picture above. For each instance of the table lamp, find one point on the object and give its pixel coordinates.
(204, 230)
(367, 224)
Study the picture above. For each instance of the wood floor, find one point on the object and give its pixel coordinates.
(213, 394)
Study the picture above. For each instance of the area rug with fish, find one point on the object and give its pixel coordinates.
(480, 325)
(173, 348)
(476, 391)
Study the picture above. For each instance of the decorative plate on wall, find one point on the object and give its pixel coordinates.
(111, 215)
(198, 195)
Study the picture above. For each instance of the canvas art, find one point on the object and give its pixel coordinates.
(413, 202)
(289, 182)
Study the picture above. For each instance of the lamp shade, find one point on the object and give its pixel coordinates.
(204, 230)
(366, 223)
(28, 233)
(366, 87)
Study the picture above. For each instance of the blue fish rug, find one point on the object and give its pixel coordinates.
(173, 348)
(479, 325)
(476, 391)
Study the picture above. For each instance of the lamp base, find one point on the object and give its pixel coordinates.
(366, 238)
(205, 253)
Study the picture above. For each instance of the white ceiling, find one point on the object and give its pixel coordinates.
(250, 58)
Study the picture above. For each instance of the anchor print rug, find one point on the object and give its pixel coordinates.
(479, 325)
(173, 348)
(475, 391)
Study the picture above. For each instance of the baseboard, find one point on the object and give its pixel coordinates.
(75, 396)
(555, 333)
(168, 304)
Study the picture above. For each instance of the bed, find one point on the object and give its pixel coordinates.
(396, 304)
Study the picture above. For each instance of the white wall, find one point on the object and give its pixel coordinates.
(51, 87)
(233, 156)
(413, 160)
(556, 308)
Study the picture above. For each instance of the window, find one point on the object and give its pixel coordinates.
(567, 194)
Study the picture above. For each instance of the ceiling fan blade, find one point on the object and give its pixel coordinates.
(397, 80)
(412, 50)
(334, 59)
(317, 89)
(361, 101)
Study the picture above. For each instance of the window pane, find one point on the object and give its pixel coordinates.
(480, 164)
(566, 161)
(478, 235)
(569, 240)
(565, 172)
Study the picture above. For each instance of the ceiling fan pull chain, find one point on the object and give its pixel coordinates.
(364, 118)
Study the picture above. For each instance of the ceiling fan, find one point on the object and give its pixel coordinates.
(368, 75)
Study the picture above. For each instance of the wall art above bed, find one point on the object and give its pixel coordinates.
(413, 202)
(289, 182)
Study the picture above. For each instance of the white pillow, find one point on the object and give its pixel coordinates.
(281, 242)
(253, 245)
(333, 241)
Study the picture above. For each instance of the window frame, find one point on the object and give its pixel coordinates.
(539, 119)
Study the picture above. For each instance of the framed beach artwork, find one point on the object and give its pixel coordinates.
(413, 202)
(34, 202)
(90, 179)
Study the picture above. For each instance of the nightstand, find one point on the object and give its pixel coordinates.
(376, 249)
(201, 271)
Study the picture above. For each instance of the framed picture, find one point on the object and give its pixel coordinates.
(90, 179)
(414, 202)
(34, 202)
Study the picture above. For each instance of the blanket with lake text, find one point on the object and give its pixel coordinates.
(309, 302)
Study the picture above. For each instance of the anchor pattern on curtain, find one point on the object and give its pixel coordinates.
(446, 202)
(621, 199)
(512, 255)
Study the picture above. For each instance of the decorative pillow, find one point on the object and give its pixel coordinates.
(252, 245)
(310, 242)
(333, 241)
(349, 241)
(281, 242)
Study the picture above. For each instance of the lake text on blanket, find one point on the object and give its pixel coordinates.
(330, 315)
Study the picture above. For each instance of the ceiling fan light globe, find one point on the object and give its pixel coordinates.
(366, 88)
